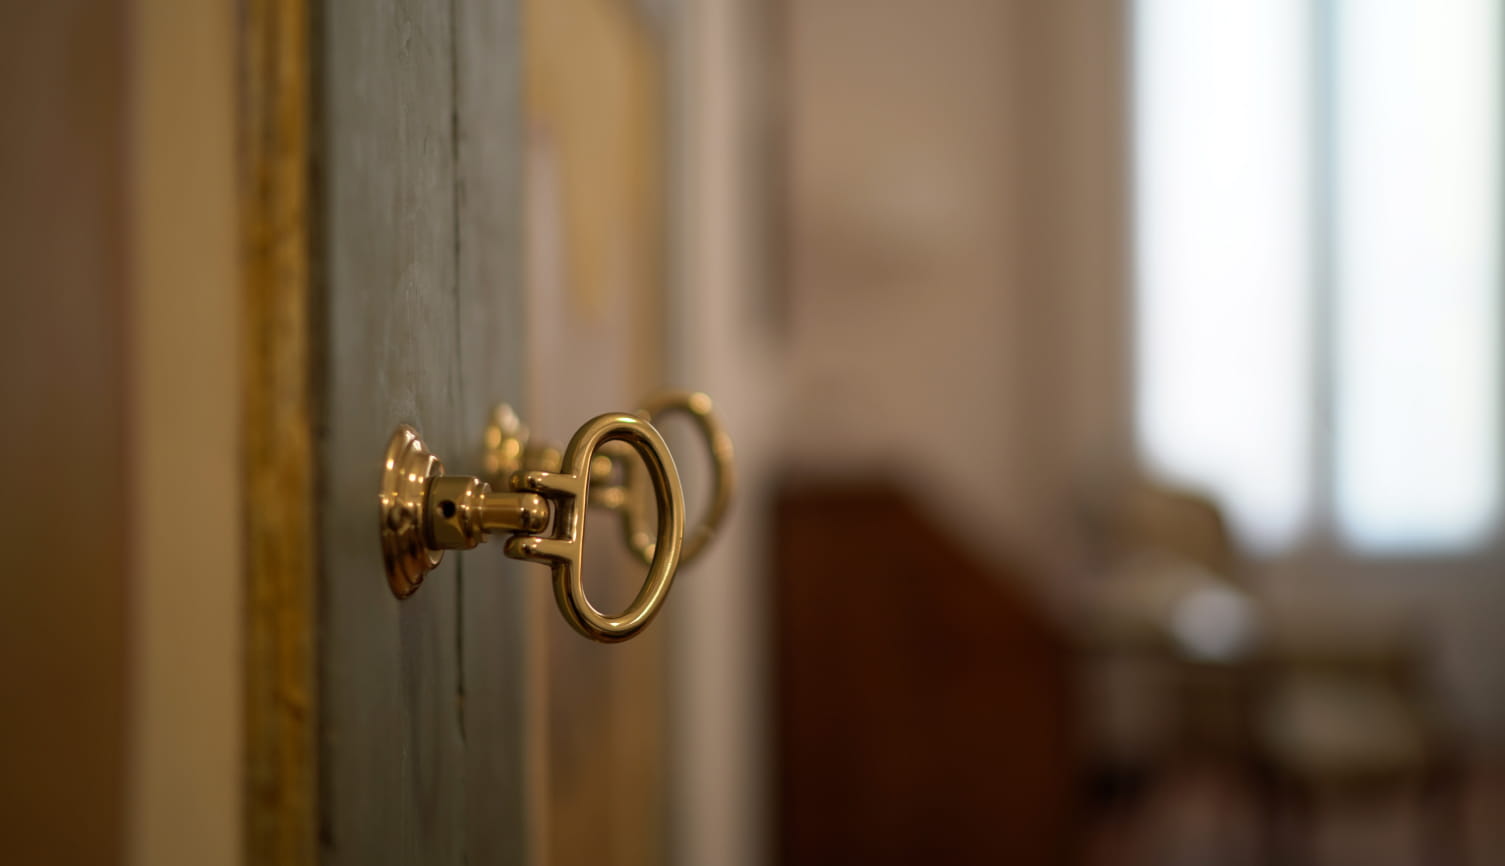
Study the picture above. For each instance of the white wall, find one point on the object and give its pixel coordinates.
(956, 257)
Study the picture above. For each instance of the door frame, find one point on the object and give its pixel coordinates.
(276, 107)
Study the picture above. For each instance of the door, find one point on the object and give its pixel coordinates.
(423, 709)
(468, 723)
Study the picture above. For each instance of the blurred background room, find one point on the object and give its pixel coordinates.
(1116, 384)
(1138, 435)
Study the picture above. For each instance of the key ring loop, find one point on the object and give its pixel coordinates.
(697, 405)
(569, 490)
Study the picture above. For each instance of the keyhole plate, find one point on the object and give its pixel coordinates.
(406, 471)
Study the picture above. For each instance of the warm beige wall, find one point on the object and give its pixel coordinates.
(1071, 259)
(185, 590)
(119, 738)
(956, 257)
(905, 317)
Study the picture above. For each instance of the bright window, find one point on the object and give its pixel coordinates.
(1317, 223)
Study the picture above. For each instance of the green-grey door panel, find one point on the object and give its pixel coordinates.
(417, 241)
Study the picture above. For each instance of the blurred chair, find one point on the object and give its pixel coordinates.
(1185, 664)
(1346, 711)
(1146, 516)
(1167, 634)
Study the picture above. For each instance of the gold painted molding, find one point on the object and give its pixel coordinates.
(275, 108)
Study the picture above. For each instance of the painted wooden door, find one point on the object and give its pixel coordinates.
(423, 743)
(468, 723)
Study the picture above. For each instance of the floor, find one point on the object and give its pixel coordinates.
(1204, 814)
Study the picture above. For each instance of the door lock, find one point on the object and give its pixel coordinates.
(536, 496)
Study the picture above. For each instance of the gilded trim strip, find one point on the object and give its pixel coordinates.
(278, 457)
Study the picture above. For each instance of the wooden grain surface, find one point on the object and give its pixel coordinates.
(502, 809)
(402, 753)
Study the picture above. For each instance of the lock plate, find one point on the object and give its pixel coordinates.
(404, 483)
